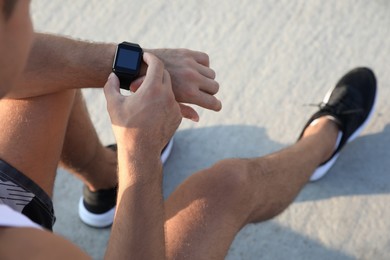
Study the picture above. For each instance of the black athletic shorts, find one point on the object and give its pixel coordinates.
(25, 196)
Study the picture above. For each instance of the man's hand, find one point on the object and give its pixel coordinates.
(193, 81)
(143, 123)
(148, 117)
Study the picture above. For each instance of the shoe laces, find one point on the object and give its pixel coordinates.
(342, 108)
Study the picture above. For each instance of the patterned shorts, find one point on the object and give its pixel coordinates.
(25, 196)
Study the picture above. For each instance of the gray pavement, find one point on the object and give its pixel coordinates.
(271, 58)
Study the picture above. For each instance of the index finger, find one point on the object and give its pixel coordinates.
(155, 71)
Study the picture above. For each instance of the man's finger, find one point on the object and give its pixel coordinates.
(134, 86)
(206, 71)
(189, 113)
(167, 79)
(209, 86)
(206, 100)
(111, 88)
(202, 58)
(155, 71)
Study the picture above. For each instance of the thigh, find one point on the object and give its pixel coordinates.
(32, 134)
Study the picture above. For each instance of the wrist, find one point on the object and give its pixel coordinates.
(138, 161)
(138, 169)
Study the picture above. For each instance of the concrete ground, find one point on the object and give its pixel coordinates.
(272, 58)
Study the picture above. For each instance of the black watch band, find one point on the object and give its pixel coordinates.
(125, 80)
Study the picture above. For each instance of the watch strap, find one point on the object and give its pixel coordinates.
(125, 81)
(132, 44)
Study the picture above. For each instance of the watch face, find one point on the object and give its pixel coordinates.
(128, 59)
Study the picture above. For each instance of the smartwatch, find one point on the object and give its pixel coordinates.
(127, 63)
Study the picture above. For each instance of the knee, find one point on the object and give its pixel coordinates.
(230, 182)
(245, 186)
(231, 173)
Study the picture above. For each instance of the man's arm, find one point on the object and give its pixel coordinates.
(58, 63)
(143, 123)
(138, 228)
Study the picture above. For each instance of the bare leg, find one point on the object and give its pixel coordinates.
(32, 140)
(83, 154)
(214, 204)
(32, 134)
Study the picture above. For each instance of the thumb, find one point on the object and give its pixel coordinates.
(111, 88)
(189, 113)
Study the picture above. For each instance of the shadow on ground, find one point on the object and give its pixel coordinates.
(362, 168)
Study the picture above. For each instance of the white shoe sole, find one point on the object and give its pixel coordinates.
(95, 220)
(323, 169)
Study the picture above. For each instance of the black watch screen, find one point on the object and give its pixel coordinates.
(127, 63)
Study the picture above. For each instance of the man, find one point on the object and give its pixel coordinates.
(41, 110)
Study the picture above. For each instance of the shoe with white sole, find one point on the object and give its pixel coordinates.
(351, 103)
(97, 208)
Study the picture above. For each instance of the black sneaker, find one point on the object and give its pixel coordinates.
(351, 103)
(97, 209)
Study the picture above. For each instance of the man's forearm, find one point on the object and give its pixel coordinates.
(138, 229)
(58, 63)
